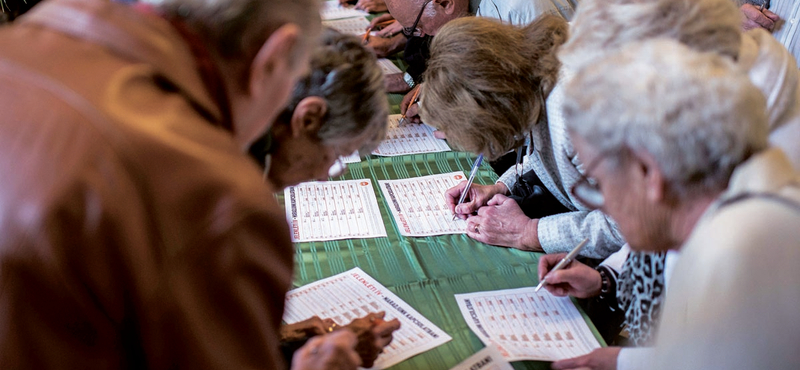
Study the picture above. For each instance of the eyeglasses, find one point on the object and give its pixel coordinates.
(587, 190)
(339, 167)
(410, 31)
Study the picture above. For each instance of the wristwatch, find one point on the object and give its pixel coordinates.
(409, 80)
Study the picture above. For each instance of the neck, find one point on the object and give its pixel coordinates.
(685, 218)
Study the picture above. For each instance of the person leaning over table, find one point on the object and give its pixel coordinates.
(603, 26)
(680, 159)
(503, 88)
(337, 108)
(136, 232)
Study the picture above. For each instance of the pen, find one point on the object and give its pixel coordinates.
(565, 261)
(366, 36)
(469, 182)
(413, 100)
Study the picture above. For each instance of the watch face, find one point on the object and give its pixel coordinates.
(409, 80)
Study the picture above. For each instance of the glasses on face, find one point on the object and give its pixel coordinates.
(411, 31)
(587, 190)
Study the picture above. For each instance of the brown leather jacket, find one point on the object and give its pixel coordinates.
(133, 233)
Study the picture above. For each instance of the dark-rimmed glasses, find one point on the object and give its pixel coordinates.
(409, 31)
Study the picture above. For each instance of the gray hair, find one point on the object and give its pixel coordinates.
(695, 113)
(236, 29)
(602, 26)
(348, 77)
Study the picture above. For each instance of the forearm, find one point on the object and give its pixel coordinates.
(562, 232)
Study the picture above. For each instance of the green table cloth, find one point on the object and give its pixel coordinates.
(425, 272)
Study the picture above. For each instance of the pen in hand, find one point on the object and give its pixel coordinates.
(469, 183)
(563, 263)
(413, 100)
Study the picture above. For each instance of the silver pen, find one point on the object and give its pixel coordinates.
(564, 261)
(464, 192)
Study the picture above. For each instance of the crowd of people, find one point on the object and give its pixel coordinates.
(141, 143)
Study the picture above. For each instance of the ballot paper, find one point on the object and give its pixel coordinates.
(350, 26)
(388, 67)
(333, 210)
(419, 206)
(353, 294)
(525, 325)
(332, 10)
(409, 139)
(488, 358)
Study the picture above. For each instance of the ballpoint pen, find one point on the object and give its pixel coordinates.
(413, 100)
(469, 182)
(564, 261)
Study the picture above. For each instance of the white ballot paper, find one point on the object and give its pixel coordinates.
(419, 207)
(333, 210)
(488, 358)
(388, 67)
(353, 294)
(525, 325)
(332, 10)
(409, 139)
(350, 26)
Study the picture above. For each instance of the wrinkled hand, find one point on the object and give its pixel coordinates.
(599, 359)
(389, 30)
(501, 222)
(305, 329)
(754, 18)
(395, 83)
(373, 334)
(577, 279)
(372, 6)
(383, 47)
(477, 197)
(335, 351)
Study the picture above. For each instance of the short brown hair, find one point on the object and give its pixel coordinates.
(486, 81)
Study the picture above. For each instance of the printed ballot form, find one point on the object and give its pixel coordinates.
(350, 26)
(419, 207)
(333, 210)
(332, 10)
(353, 294)
(409, 139)
(525, 325)
(488, 358)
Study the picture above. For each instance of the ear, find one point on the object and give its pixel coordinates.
(308, 116)
(649, 170)
(273, 59)
(449, 6)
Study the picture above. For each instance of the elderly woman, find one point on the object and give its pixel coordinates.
(488, 86)
(679, 158)
(603, 27)
(340, 107)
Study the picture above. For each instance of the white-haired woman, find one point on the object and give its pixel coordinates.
(680, 159)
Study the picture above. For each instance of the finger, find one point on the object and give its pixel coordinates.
(407, 100)
(497, 199)
(439, 135)
(386, 328)
(468, 208)
(572, 363)
(380, 19)
(547, 261)
(452, 195)
(769, 14)
(413, 110)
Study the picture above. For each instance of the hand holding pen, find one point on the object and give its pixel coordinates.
(466, 186)
(758, 17)
(562, 275)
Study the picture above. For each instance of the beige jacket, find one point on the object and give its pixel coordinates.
(133, 233)
(734, 295)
